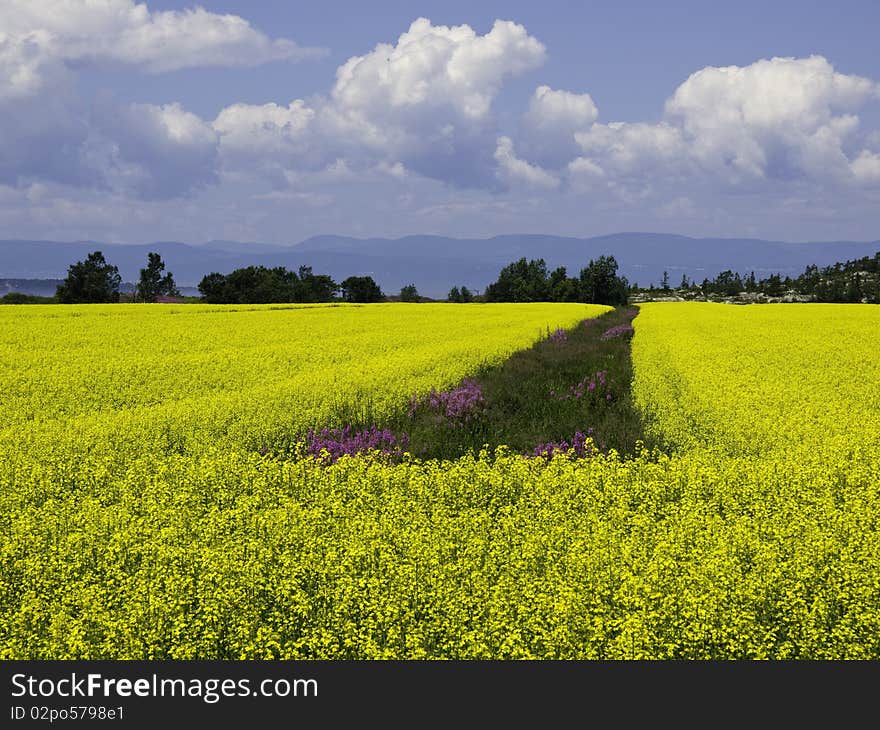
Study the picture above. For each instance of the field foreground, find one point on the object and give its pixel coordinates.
(141, 520)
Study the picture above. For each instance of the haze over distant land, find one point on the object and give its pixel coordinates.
(166, 121)
(435, 264)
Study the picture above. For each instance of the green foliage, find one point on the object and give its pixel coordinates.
(361, 289)
(848, 282)
(15, 297)
(90, 281)
(261, 285)
(600, 284)
(521, 281)
(529, 281)
(313, 287)
(409, 293)
(461, 295)
(152, 283)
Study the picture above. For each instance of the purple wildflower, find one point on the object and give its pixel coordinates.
(331, 444)
(581, 446)
(616, 331)
(590, 385)
(459, 403)
(559, 335)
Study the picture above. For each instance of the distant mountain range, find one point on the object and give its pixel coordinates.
(435, 264)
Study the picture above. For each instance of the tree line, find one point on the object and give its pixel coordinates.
(94, 280)
(852, 281)
(530, 281)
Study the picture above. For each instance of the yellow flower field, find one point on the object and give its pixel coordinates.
(142, 378)
(140, 521)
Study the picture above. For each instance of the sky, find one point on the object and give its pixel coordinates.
(273, 121)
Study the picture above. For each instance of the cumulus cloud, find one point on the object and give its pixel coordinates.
(419, 111)
(781, 119)
(159, 151)
(512, 170)
(550, 124)
(426, 100)
(436, 67)
(629, 150)
(423, 102)
(38, 37)
(269, 139)
(866, 167)
(776, 118)
(48, 132)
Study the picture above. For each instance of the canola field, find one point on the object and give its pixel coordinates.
(140, 520)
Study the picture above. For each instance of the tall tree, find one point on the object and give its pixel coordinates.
(90, 281)
(361, 289)
(315, 287)
(409, 293)
(600, 284)
(153, 283)
(213, 288)
(521, 281)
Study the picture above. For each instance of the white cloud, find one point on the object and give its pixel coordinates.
(512, 170)
(426, 101)
(553, 110)
(159, 151)
(550, 124)
(423, 103)
(866, 167)
(39, 37)
(269, 139)
(436, 67)
(774, 121)
(779, 118)
(628, 150)
(48, 132)
(415, 114)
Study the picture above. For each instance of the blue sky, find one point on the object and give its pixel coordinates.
(274, 121)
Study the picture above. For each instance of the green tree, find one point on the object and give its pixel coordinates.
(466, 295)
(521, 281)
(261, 285)
(315, 287)
(600, 284)
(212, 288)
(454, 295)
(90, 281)
(774, 286)
(728, 283)
(409, 293)
(152, 283)
(361, 289)
(664, 284)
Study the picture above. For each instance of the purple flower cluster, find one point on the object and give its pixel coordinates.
(338, 442)
(558, 336)
(581, 445)
(616, 331)
(460, 403)
(592, 385)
